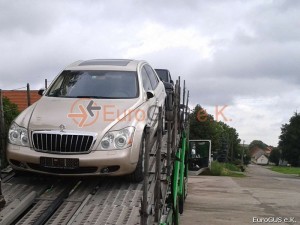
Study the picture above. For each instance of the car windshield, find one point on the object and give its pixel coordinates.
(163, 75)
(95, 84)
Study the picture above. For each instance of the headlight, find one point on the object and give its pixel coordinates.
(18, 135)
(117, 139)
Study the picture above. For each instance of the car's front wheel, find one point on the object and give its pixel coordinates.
(138, 174)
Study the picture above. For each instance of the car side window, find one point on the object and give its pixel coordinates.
(152, 76)
(146, 80)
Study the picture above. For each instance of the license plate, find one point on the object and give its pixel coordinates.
(62, 163)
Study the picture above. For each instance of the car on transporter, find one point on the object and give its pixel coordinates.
(165, 77)
(90, 121)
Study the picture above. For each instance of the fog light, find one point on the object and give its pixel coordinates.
(105, 170)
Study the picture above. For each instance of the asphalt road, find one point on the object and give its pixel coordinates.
(262, 197)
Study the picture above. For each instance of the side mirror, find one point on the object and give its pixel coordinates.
(150, 94)
(41, 91)
(171, 81)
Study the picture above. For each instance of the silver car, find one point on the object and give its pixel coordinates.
(90, 121)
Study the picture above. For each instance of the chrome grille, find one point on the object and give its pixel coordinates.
(61, 142)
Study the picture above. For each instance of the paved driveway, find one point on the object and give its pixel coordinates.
(260, 198)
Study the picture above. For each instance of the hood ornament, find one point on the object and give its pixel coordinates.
(62, 128)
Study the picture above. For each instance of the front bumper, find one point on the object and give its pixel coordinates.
(112, 162)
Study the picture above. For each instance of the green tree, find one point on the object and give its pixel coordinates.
(203, 126)
(257, 143)
(289, 140)
(10, 112)
(275, 156)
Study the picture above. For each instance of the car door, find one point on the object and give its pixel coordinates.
(158, 88)
(151, 103)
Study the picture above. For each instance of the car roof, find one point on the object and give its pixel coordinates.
(105, 64)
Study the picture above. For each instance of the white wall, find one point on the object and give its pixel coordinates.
(262, 160)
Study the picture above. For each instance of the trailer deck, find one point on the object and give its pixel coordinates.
(94, 200)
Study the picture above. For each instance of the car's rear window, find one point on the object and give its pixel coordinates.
(95, 84)
(163, 75)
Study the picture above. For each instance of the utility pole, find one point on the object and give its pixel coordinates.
(28, 95)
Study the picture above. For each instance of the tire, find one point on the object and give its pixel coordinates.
(169, 101)
(169, 107)
(138, 174)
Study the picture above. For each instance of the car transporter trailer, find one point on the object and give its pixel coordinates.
(158, 199)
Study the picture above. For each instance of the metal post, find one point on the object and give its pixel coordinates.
(187, 128)
(175, 153)
(181, 111)
(46, 84)
(144, 216)
(179, 82)
(2, 132)
(169, 150)
(187, 106)
(175, 119)
(28, 95)
(182, 164)
(183, 95)
(157, 190)
(3, 146)
(178, 105)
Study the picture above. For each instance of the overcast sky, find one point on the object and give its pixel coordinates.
(244, 54)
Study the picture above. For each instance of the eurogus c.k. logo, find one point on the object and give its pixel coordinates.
(84, 112)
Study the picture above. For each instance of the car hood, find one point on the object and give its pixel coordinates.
(80, 115)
